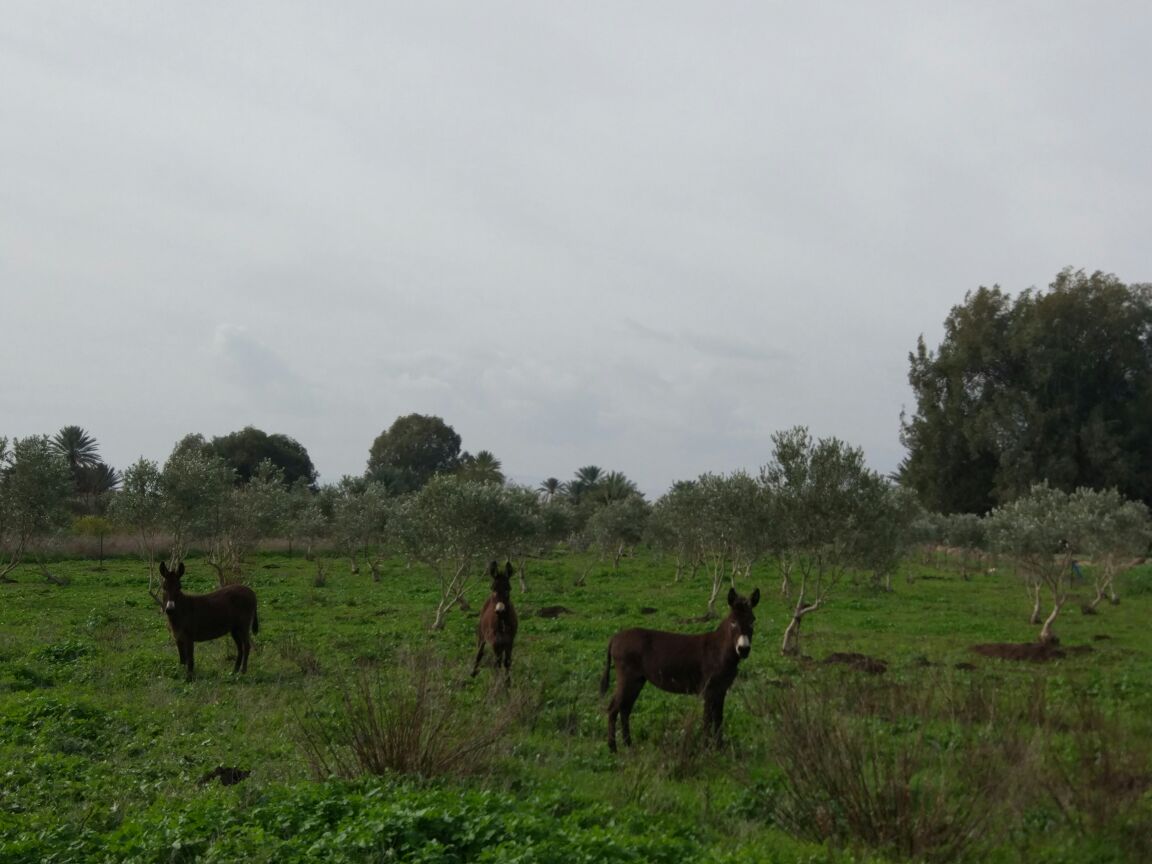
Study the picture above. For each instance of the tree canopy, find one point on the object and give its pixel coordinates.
(35, 482)
(484, 467)
(243, 451)
(1050, 386)
(415, 448)
(92, 480)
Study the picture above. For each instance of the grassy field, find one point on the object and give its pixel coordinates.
(108, 754)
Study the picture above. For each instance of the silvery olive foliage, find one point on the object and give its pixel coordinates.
(1042, 533)
(455, 526)
(35, 485)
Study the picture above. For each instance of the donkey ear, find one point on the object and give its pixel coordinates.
(731, 596)
(163, 569)
(180, 570)
(754, 599)
(508, 571)
(492, 568)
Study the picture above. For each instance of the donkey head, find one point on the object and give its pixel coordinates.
(501, 584)
(171, 585)
(741, 619)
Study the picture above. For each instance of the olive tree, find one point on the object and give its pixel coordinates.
(35, 485)
(817, 490)
(732, 521)
(314, 522)
(884, 530)
(299, 513)
(454, 526)
(138, 507)
(529, 531)
(363, 522)
(966, 533)
(1039, 532)
(195, 485)
(618, 526)
(674, 526)
(250, 513)
(928, 532)
(1115, 531)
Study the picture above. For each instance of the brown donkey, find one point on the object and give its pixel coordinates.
(679, 663)
(498, 622)
(196, 618)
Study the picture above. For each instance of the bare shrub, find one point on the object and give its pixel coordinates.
(888, 767)
(293, 651)
(1102, 781)
(409, 719)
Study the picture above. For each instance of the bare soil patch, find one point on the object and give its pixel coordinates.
(552, 611)
(1032, 652)
(862, 662)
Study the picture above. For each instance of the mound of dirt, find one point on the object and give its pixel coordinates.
(552, 611)
(1033, 652)
(226, 776)
(862, 662)
(647, 610)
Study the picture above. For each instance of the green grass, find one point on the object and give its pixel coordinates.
(102, 742)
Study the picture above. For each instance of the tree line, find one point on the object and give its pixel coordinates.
(1050, 386)
(814, 510)
(1049, 394)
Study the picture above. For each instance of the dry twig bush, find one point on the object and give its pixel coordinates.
(898, 768)
(411, 719)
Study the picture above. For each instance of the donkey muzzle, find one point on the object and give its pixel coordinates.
(499, 607)
(743, 647)
(170, 606)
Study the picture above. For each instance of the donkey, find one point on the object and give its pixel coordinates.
(498, 621)
(679, 663)
(196, 618)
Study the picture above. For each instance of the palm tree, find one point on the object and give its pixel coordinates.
(551, 488)
(77, 447)
(93, 485)
(484, 467)
(585, 481)
(90, 476)
(614, 486)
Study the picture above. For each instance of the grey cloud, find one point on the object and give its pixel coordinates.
(641, 236)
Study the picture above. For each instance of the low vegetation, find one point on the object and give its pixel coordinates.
(358, 734)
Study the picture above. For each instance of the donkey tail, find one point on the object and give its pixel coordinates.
(255, 622)
(607, 670)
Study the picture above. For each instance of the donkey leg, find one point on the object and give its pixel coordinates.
(628, 694)
(613, 711)
(238, 638)
(714, 715)
(507, 664)
(188, 645)
(479, 654)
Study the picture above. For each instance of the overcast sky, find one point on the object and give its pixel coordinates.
(644, 236)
